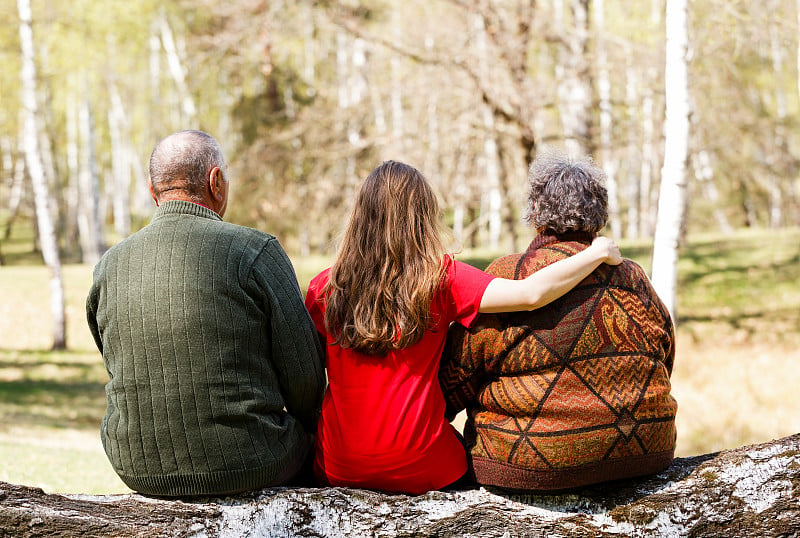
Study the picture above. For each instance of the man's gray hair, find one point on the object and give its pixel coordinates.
(566, 194)
(183, 160)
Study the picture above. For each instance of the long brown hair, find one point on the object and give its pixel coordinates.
(390, 264)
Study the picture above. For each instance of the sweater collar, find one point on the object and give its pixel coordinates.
(549, 236)
(181, 207)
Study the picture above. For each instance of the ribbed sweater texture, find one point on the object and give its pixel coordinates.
(215, 368)
(572, 394)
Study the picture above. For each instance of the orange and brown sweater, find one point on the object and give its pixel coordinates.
(571, 394)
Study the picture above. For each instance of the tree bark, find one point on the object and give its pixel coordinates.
(748, 491)
(671, 202)
(575, 83)
(177, 71)
(90, 229)
(36, 170)
(607, 158)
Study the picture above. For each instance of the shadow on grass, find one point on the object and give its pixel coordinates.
(52, 404)
(63, 390)
(85, 368)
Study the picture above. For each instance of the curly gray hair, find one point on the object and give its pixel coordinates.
(566, 194)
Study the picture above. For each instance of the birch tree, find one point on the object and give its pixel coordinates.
(177, 70)
(89, 228)
(33, 159)
(17, 187)
(607, 160)
(574, 77)
(671, 203)
(492, 198)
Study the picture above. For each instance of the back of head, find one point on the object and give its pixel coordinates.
(566, 194)
(390, 263)
(182, 162)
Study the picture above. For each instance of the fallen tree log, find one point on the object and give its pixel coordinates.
(748, 491)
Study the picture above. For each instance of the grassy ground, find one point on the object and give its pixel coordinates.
(735, 376)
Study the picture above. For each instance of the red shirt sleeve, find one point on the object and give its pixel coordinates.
(465, 287)
(314, 300)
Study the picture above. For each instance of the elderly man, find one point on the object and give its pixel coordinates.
(216, 372)
(577, 392)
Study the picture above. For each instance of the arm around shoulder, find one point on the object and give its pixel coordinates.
(550, 283)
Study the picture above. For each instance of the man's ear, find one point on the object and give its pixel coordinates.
(152, 192)
(217, 184)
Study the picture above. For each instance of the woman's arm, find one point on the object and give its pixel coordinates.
(548, 284)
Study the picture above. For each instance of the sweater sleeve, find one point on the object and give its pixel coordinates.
(296, 353)
(463, 367)
(91, 315)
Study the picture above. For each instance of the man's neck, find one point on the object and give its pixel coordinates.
(172, 197)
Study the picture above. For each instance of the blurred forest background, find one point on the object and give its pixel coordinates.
(306, 97)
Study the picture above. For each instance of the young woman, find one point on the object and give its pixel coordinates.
(383, 309)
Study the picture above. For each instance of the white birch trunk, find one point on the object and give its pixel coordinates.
(574, 92)
(704, 172)
(177, 71)
(648, 164)
(89, 228)
(16, 193)
(492, 202)
(607, 158)
(344, 79)
(745, 492)
(121, 163)
(432, 155)
(396, 98)
(779, 157)
(33, 158)
(72, 196)
(460, 192)
(7, 154)
(671, 201)
(633, 169)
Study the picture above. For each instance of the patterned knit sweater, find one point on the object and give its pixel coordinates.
(215, 369)
(572, 394)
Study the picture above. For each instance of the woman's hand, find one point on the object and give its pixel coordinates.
(607, 248)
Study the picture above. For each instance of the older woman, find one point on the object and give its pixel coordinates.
(577, 392)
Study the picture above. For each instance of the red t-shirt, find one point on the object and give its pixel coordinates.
(382, 424)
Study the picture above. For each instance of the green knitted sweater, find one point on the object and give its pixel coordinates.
(215, 368)
(571, 394)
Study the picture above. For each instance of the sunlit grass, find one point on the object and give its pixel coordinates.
(735, 373)
(57, 460)
(51, 406)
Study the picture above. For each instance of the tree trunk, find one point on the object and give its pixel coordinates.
(673, 176)
(177, 71)
(780, 154)
(635, 153)
(575, 84)
(607, 158)
(33, 159)
(492, 198)
(17, 191)
(123, 157)
(72, 198)
(704, 173)
(748, 491)
(89, 223)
